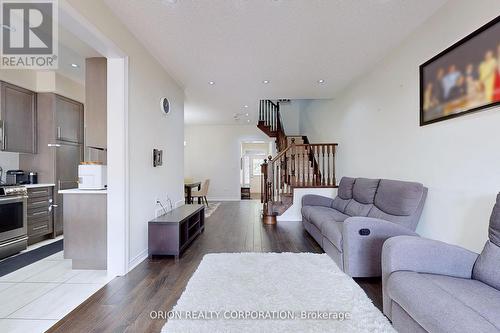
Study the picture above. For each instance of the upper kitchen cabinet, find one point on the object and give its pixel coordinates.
(95, 102)
(69, 119)
(17, 119)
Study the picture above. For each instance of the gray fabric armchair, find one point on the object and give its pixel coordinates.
(431, 286)
(353, 227)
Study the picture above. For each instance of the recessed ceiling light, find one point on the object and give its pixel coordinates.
(248, 120)
(211, 83)
(265, 81)
(321, 81)
(75, 66)
(246, 114)
(245, 106)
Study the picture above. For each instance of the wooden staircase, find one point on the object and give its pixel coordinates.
(298, 164)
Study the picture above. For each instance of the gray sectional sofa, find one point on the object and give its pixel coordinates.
(353, 227)
(430, 286)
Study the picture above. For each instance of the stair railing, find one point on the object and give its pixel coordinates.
(271, 123)
(297, 165)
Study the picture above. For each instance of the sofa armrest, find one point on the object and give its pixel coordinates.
(427, 256)
(363, 238)
(405, 253)
(316, 200)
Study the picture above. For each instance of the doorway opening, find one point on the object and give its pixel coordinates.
(117, 136)
(253, 154)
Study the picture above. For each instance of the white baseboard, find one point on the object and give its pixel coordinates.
(224, 199)
(137, 259)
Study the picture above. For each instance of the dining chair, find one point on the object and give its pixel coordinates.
(202, 193)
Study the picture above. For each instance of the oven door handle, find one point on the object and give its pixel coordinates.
(13, 199)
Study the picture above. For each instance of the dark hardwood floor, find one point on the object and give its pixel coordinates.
(124, 305)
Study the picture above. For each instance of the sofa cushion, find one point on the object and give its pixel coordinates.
(494, 230)
(446, 304)
(333, 232)
(364, 190)
(487, 266)
(345, 188)
(355, 208)
(306, 211)
(340, 204)
(318, 215)
(398, 198)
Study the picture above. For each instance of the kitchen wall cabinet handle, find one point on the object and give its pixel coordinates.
(58, 132)
(54, 145)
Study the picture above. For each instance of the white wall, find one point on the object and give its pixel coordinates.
(8, 161)
(294, 212)
(290, 115)
(23, 78)
(376, 123)
(214, 152)
(148, 128)
(45, 81)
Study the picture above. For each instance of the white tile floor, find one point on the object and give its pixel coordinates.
(35, 297)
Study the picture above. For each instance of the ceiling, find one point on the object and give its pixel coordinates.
(292, 43)
(73, 51)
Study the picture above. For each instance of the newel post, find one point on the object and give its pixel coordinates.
(263, 186)
(270, 179)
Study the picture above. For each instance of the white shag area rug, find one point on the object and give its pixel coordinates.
(273, 292)
(212, 207)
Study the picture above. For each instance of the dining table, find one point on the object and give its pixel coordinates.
(188, 187)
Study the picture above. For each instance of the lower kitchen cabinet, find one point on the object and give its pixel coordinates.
(40, 213)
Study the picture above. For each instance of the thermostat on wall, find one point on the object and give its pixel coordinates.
(165, 105)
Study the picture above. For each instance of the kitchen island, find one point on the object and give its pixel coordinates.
(85, 228)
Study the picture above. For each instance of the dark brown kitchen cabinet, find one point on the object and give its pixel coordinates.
(59, 151)
(69, 120)
(18, 126)
(40, 216)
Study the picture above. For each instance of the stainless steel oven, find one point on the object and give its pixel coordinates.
(13, 217)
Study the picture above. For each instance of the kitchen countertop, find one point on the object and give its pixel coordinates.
(38, 185)
(78, 191)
